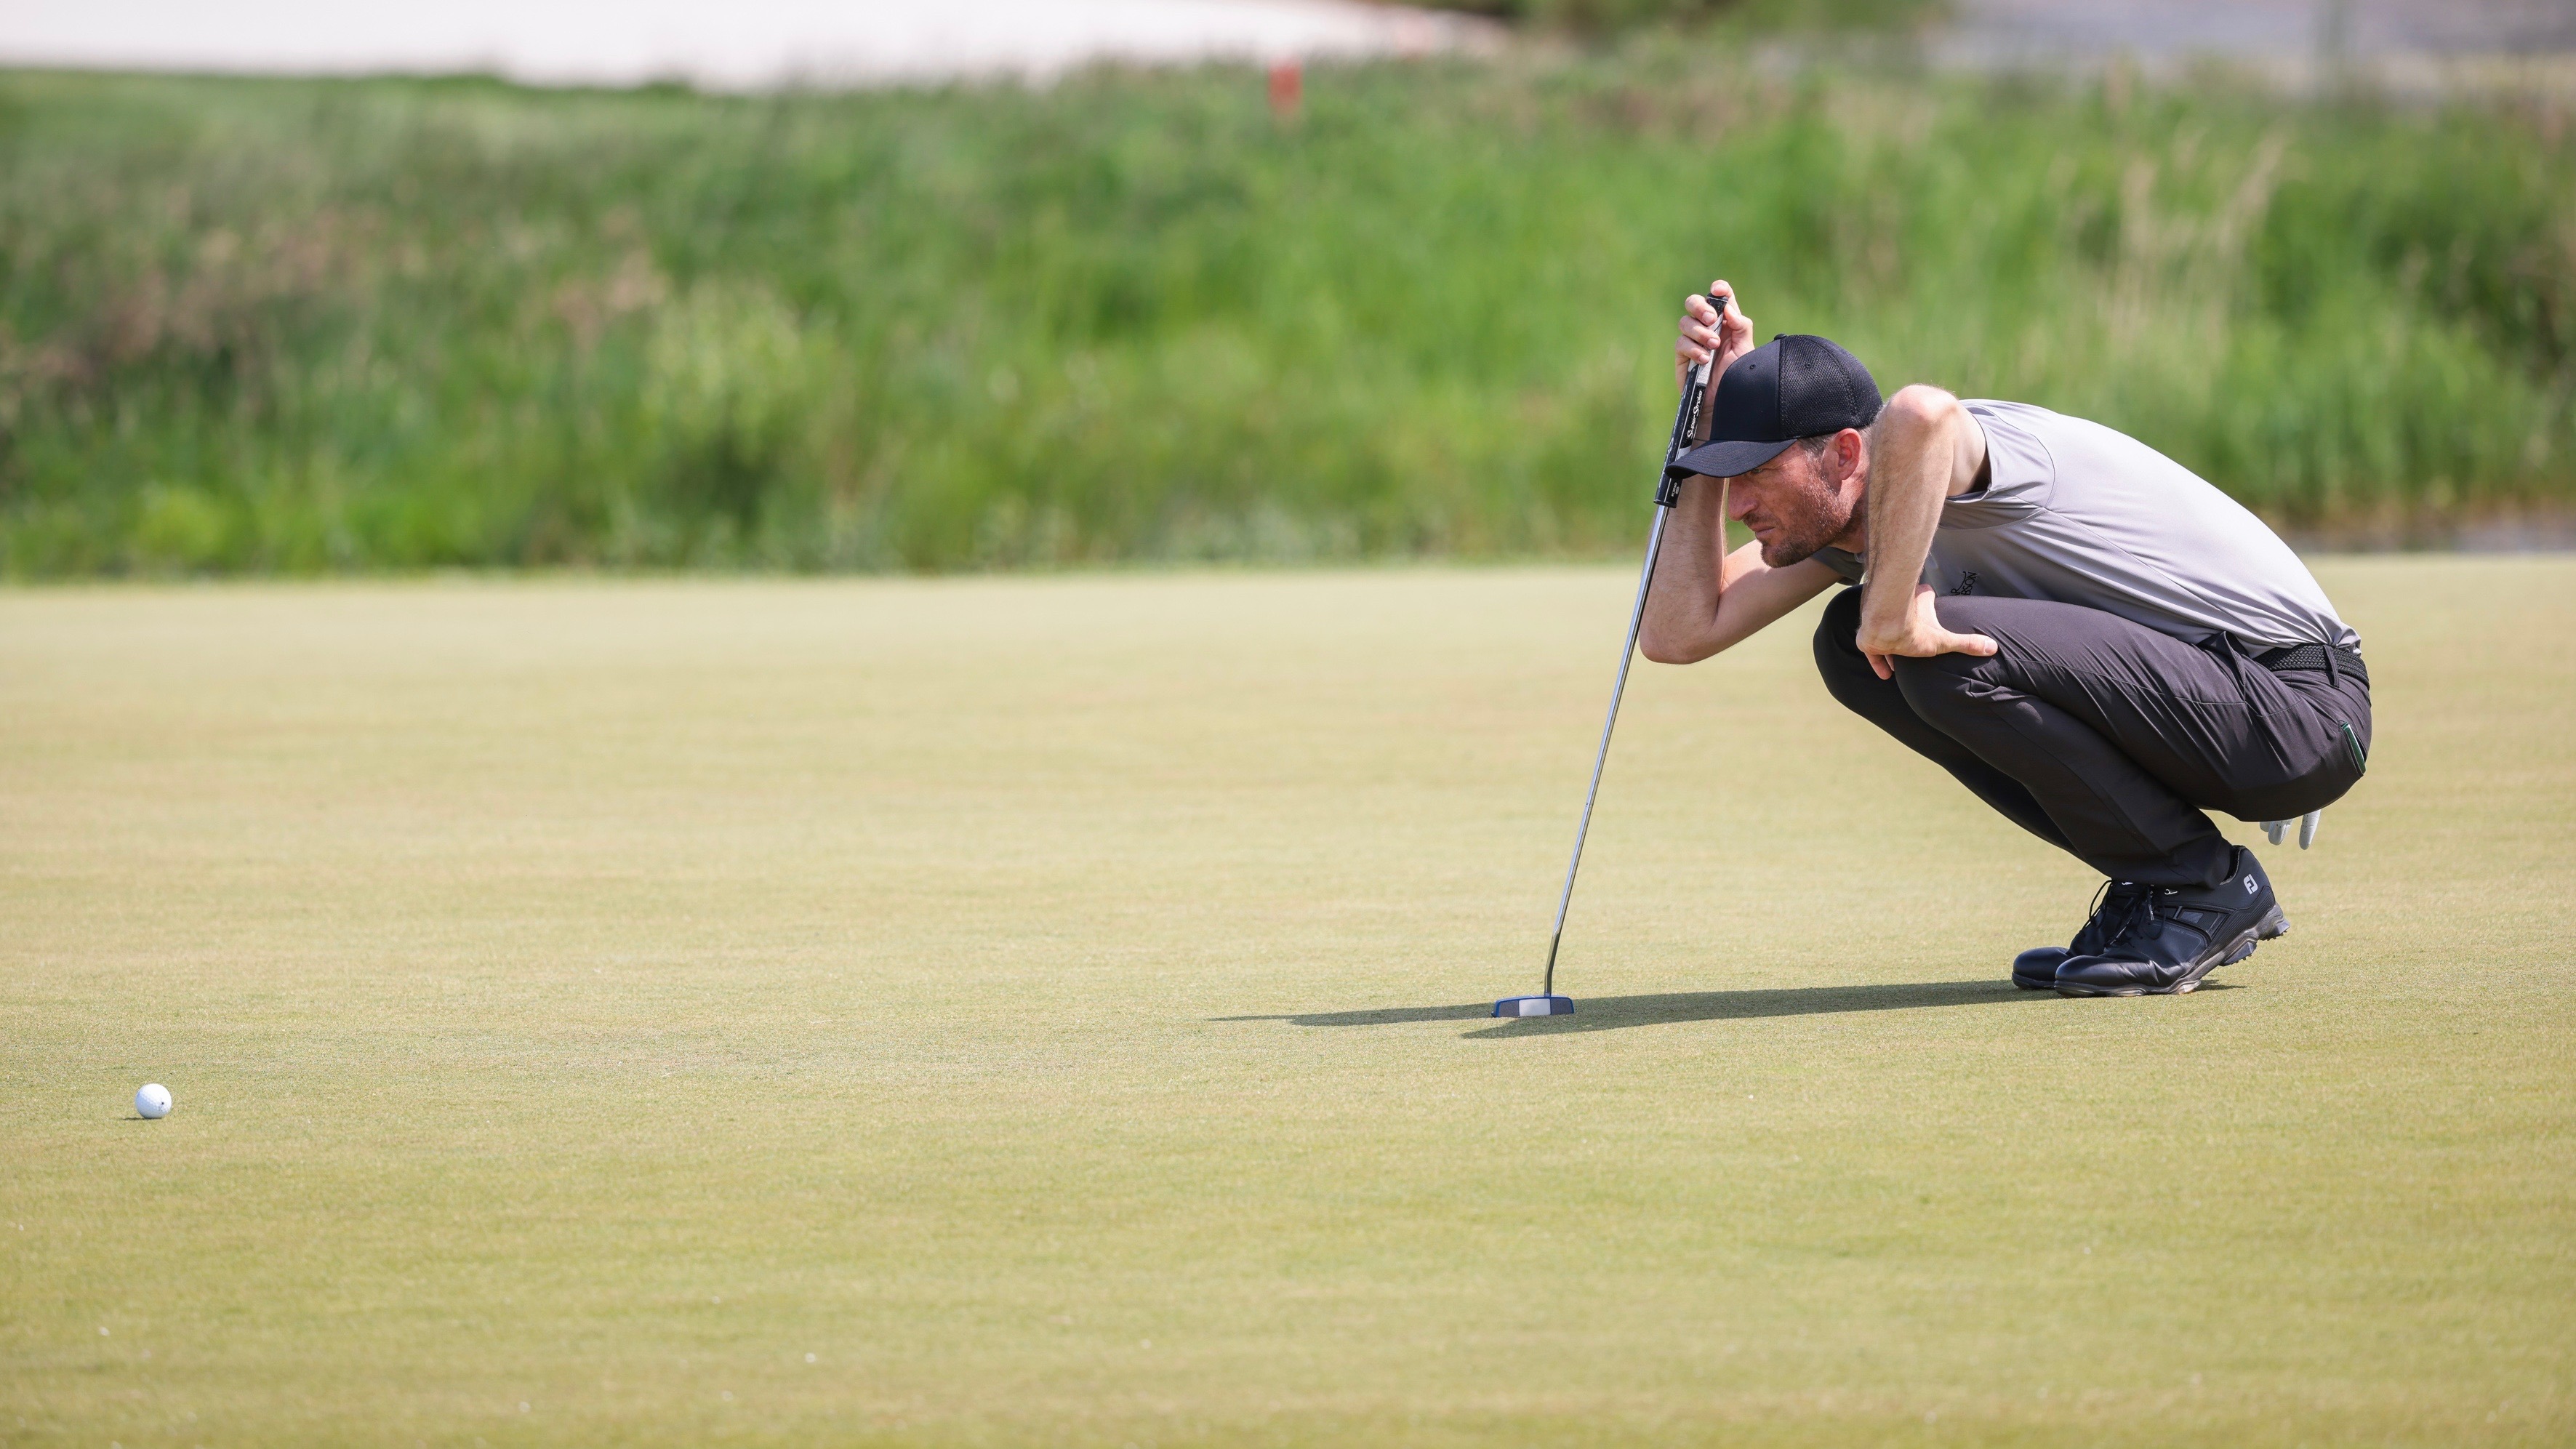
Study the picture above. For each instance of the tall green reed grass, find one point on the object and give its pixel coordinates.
(297, 327)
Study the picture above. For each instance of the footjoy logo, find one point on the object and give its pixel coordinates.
(2249, 885)
(1967, 584)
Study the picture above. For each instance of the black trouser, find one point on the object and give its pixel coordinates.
(2106, 737)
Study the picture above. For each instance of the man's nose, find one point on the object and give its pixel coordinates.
(1739, 500)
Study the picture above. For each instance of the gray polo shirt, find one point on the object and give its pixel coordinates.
(2079, 514)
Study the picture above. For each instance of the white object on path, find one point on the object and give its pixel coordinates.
(745, 45)
(153, 1101)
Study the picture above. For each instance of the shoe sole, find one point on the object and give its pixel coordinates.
(2271, 927)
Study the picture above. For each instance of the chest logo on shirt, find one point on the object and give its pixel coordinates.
(1967, 584)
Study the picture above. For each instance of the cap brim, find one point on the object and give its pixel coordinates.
(1724, 460)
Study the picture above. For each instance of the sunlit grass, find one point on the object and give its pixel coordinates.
(1017, 1011)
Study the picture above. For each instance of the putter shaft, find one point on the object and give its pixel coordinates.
(1685, 423)
(1618, 687)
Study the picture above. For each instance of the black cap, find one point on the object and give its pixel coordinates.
(1790, 387)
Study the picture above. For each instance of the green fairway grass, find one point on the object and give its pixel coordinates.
(1049, 1011)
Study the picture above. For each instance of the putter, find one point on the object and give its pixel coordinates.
(1667, 493)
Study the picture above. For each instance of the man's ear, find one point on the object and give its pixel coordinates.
(1851, 453)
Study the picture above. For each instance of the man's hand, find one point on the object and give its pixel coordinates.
(1706, 334)
(1921, 637)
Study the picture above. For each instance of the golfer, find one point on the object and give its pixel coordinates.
(2093, 640)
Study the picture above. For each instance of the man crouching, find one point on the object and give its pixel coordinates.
(2090, 637)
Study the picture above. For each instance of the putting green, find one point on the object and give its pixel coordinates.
(1048, 1010)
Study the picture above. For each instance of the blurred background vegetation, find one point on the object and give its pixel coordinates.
(271, 326)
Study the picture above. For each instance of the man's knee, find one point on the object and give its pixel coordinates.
(1846, 671)
(1940, 685)
(1946, 686)
(1972, 613)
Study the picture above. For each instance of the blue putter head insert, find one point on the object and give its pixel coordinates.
(1534, 1006)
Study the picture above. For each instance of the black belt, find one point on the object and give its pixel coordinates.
(2332, 659)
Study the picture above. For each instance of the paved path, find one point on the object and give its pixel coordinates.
(740, 45)
(755, 44)
(2271, 29)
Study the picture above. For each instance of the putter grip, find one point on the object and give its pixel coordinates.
(1695, 390)
(1707, 378)
(1719, 301)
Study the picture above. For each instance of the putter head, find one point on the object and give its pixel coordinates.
(1535, 1006)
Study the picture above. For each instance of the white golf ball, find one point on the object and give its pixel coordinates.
(153, 1100)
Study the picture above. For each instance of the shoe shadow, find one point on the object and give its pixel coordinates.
(1611, 1013)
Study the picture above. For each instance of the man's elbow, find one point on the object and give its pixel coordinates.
(1660, 649)
(1919, 406)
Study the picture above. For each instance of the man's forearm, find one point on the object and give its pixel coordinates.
(1681, 609)
(1910, 474)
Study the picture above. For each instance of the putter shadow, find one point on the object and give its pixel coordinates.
(1610, 1013)
(1385, 1016)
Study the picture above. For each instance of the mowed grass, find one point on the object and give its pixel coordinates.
(1048, 1010)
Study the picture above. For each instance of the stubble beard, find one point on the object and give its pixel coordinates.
(1808, 519)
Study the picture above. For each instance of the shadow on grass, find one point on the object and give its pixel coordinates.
(1608, 1013)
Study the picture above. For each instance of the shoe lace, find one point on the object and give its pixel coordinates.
(2121, 896)
(2137, 913)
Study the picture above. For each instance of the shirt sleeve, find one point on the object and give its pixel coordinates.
(2018, 467)
(1846, 565)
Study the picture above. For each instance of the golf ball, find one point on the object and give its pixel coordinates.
(153, 1100)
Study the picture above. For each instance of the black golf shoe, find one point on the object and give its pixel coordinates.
(2169, 937)
(2036, 968)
